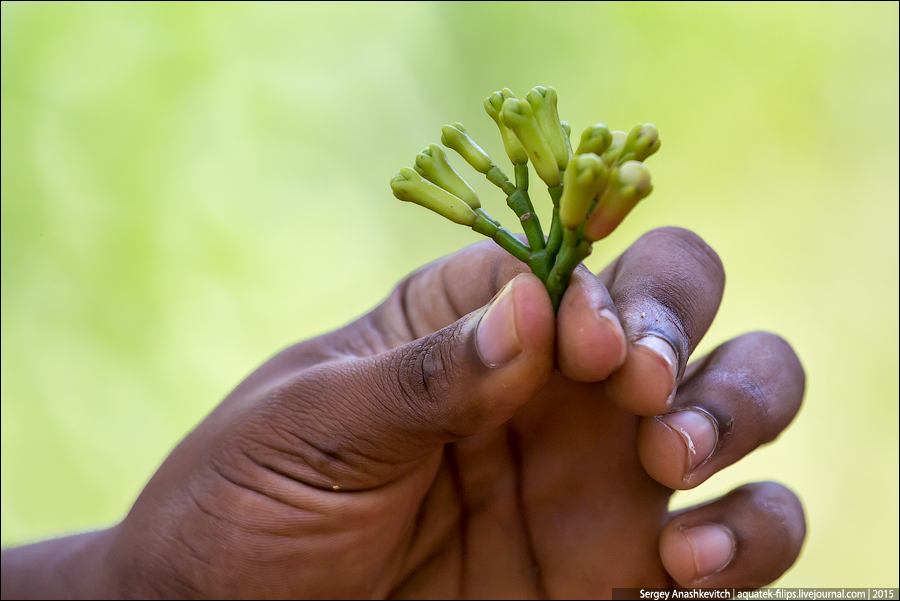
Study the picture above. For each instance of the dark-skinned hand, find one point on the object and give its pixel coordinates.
(461, 441)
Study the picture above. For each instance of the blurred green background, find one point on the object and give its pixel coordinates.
(187, 188)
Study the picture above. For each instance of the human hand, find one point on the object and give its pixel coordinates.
(438, 447)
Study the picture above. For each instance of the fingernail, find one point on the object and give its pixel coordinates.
(496, 337)
(664, 351)
(712, 546)
(616, 326)
(698, 432)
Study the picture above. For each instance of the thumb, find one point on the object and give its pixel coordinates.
(364, 421)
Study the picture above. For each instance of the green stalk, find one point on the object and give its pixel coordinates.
(554, 239)
(505, 239)
(573, 251)
(538, 262)
(499, 179)
(520, 202)
(522, 177)
(508, 242)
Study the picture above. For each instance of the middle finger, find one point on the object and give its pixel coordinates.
(666, 288)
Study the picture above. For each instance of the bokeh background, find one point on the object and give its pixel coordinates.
(187, 188)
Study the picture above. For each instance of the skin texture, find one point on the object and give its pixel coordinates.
(439, 448)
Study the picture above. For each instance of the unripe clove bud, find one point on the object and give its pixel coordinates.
(543, 103)
(628, 184)
(455, 136)
(583, 181)
(616, 144)
(595, 138)
(409, 186)
(642, 141)
(432, 164)
(493, 104)
(568, 131)
(519, 117)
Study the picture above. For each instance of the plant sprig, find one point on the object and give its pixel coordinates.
(592, 189)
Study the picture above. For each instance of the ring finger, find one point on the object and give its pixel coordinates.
(740, 396)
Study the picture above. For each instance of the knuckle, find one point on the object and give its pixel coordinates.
(749, 406)
(438, 294)
(773, 377)
(686, 279)
(422, 373)
(779, 508)
(501, 268)
(769, 340)
(425, 385)
(686, 242)
(765, 495)
(753, 403)
(756, 387)
(774, 343)
(781, 354)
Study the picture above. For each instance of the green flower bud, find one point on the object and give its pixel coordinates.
(493, 104)
(584, 179)
(595, 138)
(518, 116)
(409, 186)
(567, 129)
(543, 103)
(634, 175)
(642, 141)
(610, 155)
(628, 184)
(432, 164)
(454, 136)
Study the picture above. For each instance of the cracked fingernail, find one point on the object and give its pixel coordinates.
(697, 431)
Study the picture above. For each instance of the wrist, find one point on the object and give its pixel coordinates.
(74, 567)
